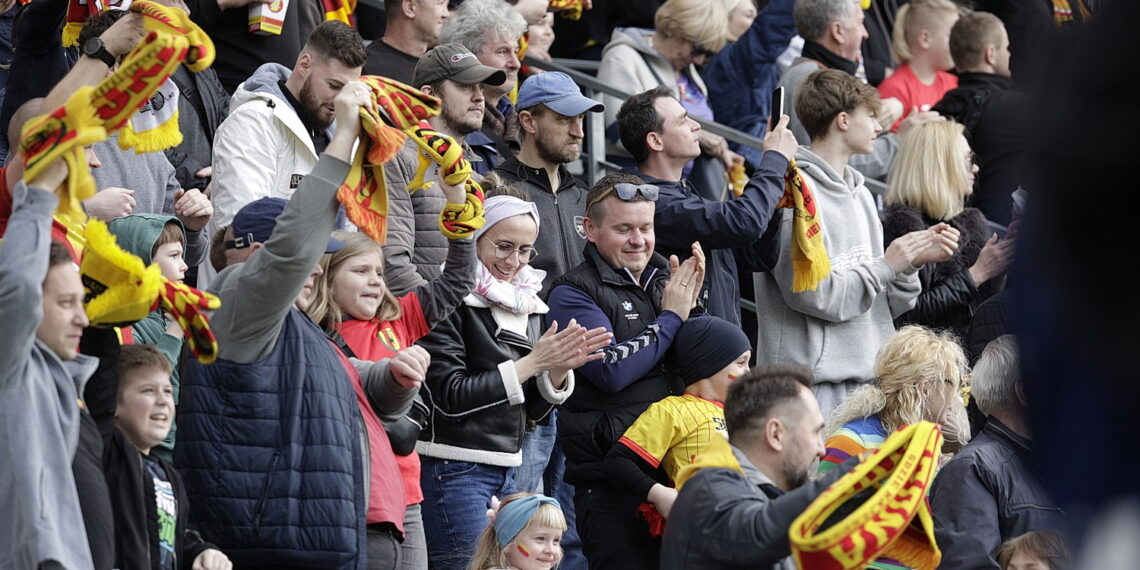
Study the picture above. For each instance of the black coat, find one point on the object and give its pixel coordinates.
(995, 118)
(471, 415)
(949, 295)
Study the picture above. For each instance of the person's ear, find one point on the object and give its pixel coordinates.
(527, 122)
(254, 247)
(774, 434)
(836, 31)
(427, 90)
(1019, 392)
(842, 121)
(923, 39)
(408, 7)
(654, 141)
(989, 55)
(591, 229)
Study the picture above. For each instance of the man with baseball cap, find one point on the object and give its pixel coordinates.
(551, 110)
(415, 248)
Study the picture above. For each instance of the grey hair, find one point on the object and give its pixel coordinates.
(996, 376)
(814, 16)
(469, 24)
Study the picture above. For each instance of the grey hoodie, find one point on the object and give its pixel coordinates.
(837, 329)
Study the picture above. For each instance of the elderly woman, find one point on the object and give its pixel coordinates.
(636, 60)
(919, 374)
(492, 369)
(932, 176)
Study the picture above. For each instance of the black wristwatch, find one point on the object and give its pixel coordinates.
(95, 48)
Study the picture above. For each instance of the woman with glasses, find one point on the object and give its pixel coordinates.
(493, 367)
(929, 183)
(637, 60)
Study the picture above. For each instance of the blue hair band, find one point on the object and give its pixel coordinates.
(515, 515)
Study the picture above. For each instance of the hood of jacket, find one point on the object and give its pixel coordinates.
(637, 38)
(825, 176)
(265, 84)
(138, 233)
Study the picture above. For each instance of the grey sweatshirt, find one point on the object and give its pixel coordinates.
(836, 329)
(39, 404)
(149, 174)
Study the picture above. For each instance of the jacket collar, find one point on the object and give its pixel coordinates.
(1002, 432)
(78, 369)
(753, 473)
(682, 185)
(816, 51)
(622, 277)
(974, 80)
(537, 176)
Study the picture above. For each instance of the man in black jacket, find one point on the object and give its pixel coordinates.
(642, 299)
(990, 492)
(551, 110)
(987, 104)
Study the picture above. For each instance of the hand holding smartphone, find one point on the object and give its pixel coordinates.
(777, 108)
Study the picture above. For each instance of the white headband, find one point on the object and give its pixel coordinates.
(499, 208)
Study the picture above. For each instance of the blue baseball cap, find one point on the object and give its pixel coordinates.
(255, 221)
(558, 92)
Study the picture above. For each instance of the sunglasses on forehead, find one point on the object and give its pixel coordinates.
(627, 192)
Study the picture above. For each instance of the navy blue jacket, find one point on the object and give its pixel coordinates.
(741, 77)
(683, 217)
(270, 452)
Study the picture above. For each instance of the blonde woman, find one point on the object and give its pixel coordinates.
(919, 375)
(932, 176)
(687, 33)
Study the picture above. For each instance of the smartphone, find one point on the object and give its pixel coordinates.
(777, 108)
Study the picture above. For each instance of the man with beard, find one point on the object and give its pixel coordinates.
(413, 27)
(551, 113)
(740, 518)
(416, 249)
(280, 121)
(491, 29)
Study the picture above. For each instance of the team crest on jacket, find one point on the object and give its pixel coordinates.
(627, 305)
(580, 227)
(388, 337)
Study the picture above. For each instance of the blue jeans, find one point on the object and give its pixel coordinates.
(543, 462)
(457, 495)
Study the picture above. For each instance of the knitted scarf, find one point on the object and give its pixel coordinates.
(894, 521)
(519, 296)
(119, 291)
(401, 112)
(569, 9)
(340, 10)
(1063, 12)
(91, 113)
(810, 263)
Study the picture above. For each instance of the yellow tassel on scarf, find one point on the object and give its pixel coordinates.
(120, 290)
(895, 522)
(62, 134)
(810, 263)
(401, 112)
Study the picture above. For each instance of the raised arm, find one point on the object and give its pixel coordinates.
(24, 266)
(260, 292)
(400, 273)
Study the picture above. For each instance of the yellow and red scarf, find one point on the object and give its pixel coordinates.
(401, 112)
(810, 264)
(895, 522)
(120, 290)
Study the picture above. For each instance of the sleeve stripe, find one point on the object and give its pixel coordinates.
(614, 354)
(645, 455)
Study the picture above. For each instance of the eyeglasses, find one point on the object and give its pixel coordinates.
(699, 50)
(627, 192)
(503, 250)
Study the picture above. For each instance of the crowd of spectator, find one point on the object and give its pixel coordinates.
(573, 378)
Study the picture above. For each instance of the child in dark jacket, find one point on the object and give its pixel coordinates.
(133, 404)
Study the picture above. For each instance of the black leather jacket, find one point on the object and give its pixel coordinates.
(987, 494)
(472, 414)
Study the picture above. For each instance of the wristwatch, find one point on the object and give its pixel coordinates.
(95, 48)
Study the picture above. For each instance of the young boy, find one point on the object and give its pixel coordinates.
(922, 44)
(838, 327)
(161, 240)
(147, 495)
(709, 354)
